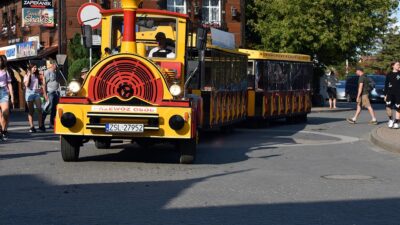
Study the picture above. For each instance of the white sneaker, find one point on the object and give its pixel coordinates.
(390, 123)
(395, 126)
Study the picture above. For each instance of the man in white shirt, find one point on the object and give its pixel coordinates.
(162, 50)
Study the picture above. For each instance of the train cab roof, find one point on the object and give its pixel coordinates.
(264, 55)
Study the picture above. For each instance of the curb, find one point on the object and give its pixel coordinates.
(381, 142)
(327, 110)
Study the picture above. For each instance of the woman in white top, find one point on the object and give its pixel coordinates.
(33, 89)
(6, 91)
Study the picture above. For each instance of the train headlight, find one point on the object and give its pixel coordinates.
(175, 90)
(74, 87)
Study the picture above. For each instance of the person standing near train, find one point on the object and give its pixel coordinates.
(331, 81)
(51, 92)
(392, 95)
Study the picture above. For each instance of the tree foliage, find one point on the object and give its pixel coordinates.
(389, 52)
(78, 57)
(332, 30)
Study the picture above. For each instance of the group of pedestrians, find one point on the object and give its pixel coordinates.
(37, 84)
(392, 96)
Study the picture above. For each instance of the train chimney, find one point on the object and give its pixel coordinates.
(129, 7)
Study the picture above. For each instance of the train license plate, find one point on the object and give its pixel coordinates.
(124, 128)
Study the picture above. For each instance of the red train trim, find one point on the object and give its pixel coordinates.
(74, 100)
(175, 103)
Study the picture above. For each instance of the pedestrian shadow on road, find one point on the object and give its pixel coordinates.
(30, 199)
(21, 155)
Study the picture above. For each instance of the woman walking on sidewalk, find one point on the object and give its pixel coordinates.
(33, 88)
(6, 91)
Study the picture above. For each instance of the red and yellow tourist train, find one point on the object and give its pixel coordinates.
(164, 83)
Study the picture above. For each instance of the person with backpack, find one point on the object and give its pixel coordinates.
(364, 88)
(392, 95)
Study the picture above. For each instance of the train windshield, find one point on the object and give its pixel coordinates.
(158, 33)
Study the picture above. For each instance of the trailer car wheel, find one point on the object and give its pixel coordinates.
(70, 146)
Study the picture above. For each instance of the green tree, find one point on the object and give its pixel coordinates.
(389, 52)
(78, 57)
(331, 30)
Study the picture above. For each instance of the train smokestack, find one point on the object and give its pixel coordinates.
(129, 7)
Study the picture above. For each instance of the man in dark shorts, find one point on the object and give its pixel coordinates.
(392, 95)
(363, 98)
(331, 81)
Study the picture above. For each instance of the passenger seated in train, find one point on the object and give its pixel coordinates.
(165, 48)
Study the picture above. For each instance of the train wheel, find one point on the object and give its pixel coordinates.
(304, 117)
(187, 150)
(102, 143)
(70, 146)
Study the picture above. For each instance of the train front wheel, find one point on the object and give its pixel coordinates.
(188, 150)
(70, 146)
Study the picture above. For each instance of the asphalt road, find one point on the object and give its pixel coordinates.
(323, 172)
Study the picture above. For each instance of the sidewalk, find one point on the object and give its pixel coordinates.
(382, 136)
(386, 138)
(327, 109)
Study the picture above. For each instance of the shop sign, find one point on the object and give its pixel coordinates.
(38, 17)
(222, 39)
(35, 38)
(26, 49)
(37, 3)
(9, 51)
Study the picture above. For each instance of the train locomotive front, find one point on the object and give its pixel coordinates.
(127, 95)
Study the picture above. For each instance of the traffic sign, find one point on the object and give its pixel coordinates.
(90, 14)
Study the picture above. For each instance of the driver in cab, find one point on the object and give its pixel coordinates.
(163, 50)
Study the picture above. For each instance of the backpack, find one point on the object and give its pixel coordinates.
(371, 84)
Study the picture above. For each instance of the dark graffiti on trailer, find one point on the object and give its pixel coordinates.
(37, 4)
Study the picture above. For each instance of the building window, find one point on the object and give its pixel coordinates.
(211, 12)
(176, 6)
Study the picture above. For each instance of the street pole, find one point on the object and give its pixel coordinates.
(62, 39)
(90, 52)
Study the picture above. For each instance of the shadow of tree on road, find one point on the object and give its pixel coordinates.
(27, 199)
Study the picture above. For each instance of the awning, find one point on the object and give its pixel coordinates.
(41, 54)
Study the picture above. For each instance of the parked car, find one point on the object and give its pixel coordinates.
(341, 90)
(376, 94)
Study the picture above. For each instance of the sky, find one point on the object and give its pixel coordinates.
(398, 17)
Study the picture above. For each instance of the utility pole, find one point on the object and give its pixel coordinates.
(90, 53)
(62, 37)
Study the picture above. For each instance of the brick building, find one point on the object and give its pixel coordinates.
(32, 32)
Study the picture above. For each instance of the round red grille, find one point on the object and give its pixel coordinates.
(125, 78)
